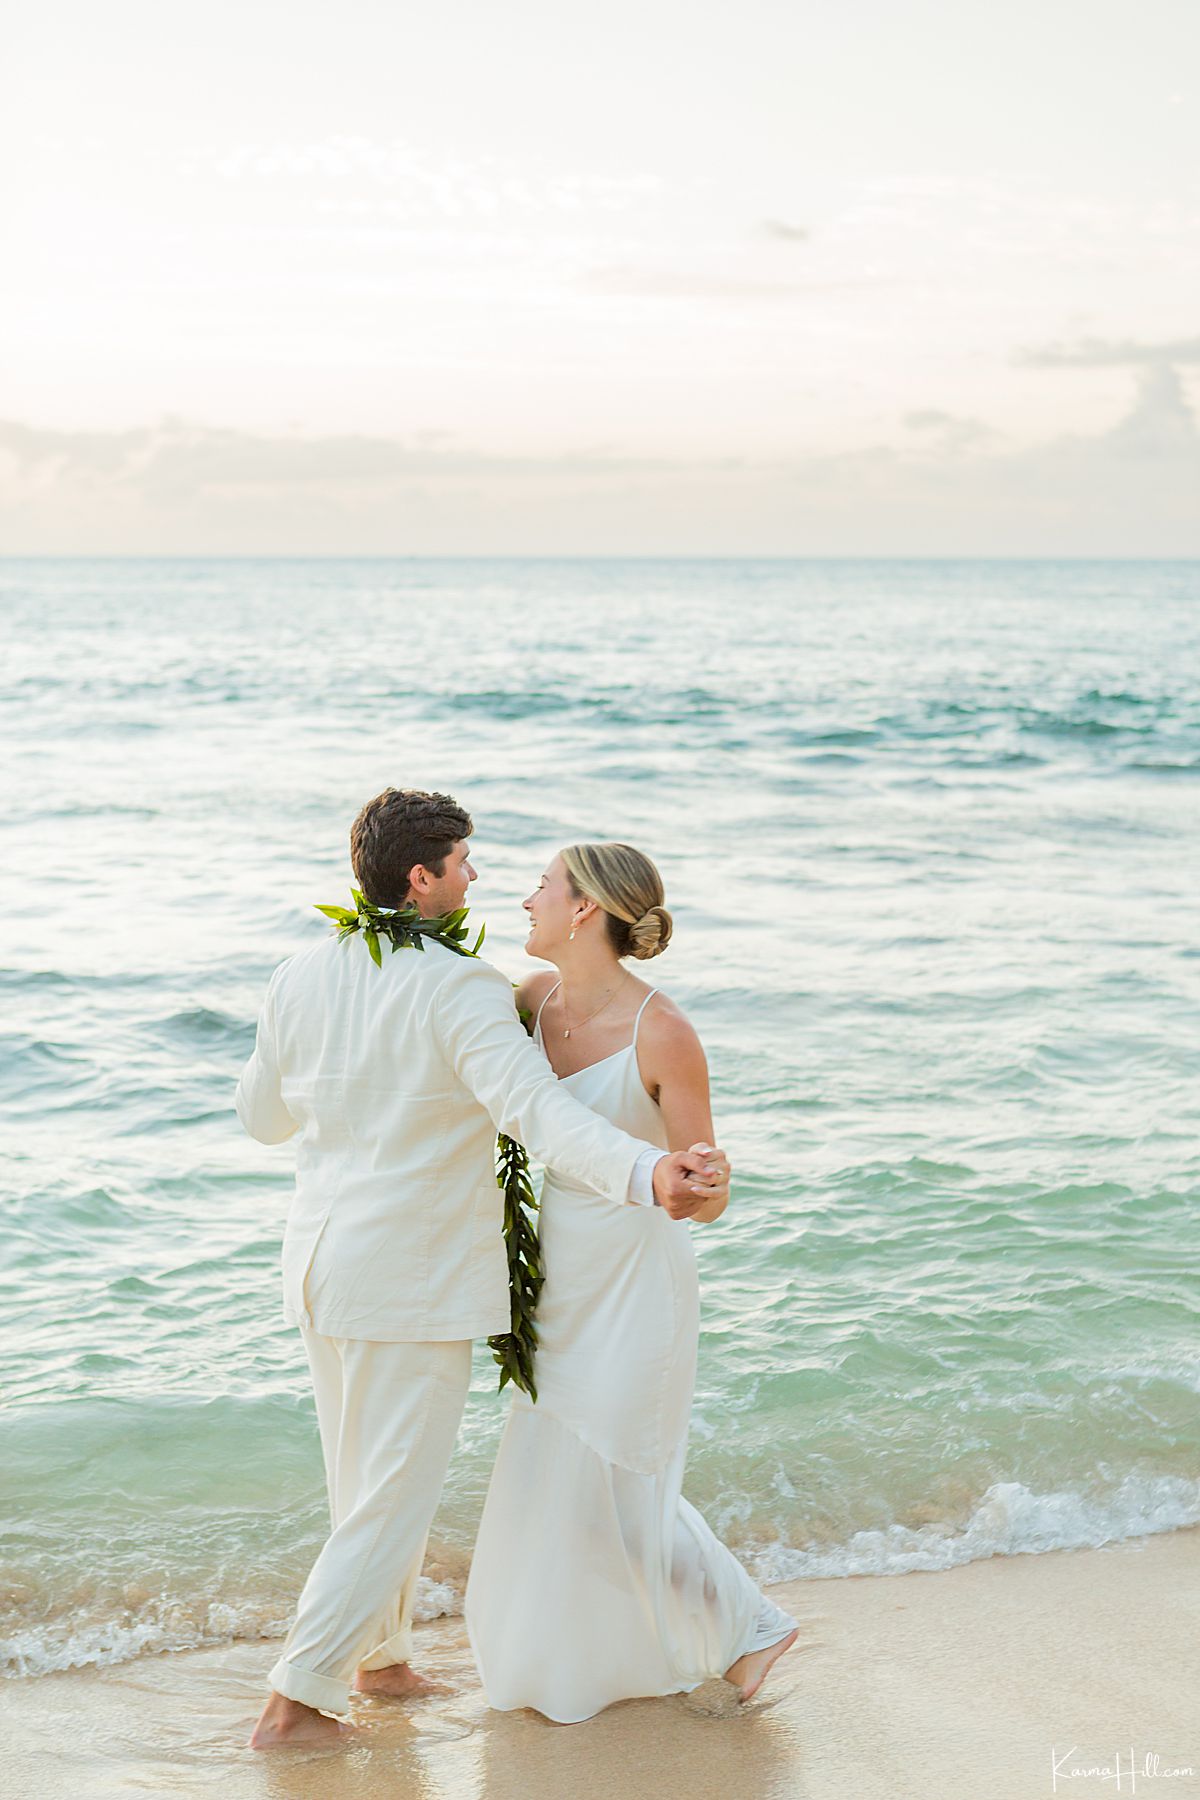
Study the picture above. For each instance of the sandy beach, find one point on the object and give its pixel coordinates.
(963, 1684)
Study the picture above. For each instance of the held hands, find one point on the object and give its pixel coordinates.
(686, 1180)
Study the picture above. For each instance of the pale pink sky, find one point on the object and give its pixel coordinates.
(646, 277)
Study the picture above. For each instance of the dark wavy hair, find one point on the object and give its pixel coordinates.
(399, 829)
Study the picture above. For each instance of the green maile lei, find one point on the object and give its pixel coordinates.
(406, 929)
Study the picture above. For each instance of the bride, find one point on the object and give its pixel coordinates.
(593, 1579)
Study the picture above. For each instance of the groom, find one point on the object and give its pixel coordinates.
(395, 1079)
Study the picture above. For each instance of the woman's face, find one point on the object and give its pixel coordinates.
(552, 908)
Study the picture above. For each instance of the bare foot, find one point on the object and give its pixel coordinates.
(398, 1681)
(284, 1721)
(750, 1671)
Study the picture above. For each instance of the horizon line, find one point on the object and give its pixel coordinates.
(335, 556)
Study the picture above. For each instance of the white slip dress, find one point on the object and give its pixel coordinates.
(593, 1579)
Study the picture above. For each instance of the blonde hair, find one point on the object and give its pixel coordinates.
(628, 888)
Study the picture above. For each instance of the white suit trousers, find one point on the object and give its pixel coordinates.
(388, 1415)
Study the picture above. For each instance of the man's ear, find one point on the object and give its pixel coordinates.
(419, 879)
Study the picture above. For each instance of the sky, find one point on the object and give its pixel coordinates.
(652, 278)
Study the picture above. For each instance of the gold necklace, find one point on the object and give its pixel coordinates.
(570, 1028)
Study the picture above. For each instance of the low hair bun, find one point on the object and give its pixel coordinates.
(628, 889)
(651, 934)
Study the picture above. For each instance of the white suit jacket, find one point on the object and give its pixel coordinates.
(396, 1080)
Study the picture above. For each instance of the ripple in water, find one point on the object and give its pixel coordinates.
(926, 831)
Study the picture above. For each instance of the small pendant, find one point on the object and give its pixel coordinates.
(567, 1032)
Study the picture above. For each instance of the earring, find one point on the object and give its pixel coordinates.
(571, 933)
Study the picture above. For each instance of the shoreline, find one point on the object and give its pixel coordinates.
(957, 1684)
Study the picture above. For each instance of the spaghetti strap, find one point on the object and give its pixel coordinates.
(641, 1009)
(537, 1017)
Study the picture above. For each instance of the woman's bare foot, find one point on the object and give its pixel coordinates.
(284, 1721)
(750, 1671)
(398, 1681)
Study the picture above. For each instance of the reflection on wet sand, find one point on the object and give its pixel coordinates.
(926, 1686)
(178, 1724)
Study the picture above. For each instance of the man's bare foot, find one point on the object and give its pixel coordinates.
(398, 1681)
(750, 1671)
(284, 1721)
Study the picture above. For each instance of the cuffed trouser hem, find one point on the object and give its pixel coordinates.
(319, 1691)
(396, 1649)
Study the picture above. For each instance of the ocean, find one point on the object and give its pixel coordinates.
(929, 834)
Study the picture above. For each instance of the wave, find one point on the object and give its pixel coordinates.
(33, 1069)
(204, 1027)
(167, 1622)
(1009, 1520)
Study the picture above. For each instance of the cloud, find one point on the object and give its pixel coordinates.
(422, 180)
(179, 458)
(80, 453)
(682, 284)
(950, 432)
(1095, 353)
(945, 484)
(1161, 424)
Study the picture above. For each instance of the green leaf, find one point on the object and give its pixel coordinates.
(339, 914)
(372, 938)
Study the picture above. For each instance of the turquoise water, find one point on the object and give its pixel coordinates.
(929, 834)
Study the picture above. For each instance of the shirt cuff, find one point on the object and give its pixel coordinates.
(641, 1181)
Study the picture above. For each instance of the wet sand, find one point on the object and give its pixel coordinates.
(960, 1685)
